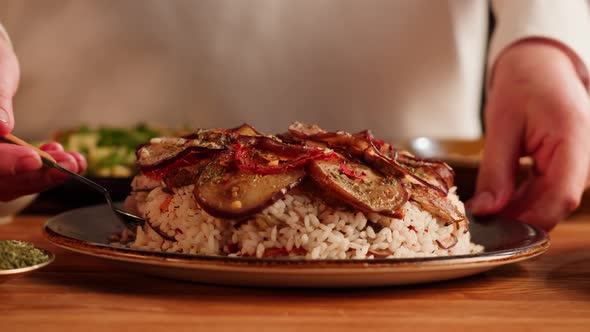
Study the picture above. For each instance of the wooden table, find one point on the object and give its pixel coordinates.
(76, 292)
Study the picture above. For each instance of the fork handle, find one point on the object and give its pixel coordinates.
(15, 140)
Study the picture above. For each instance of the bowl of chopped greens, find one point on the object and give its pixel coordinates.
(110, 152)
(19, 257)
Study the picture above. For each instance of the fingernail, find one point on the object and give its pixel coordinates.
(50, 147)
(3, 116)
(60, 176)
(70, 166)
(27, 164)
(481, 203)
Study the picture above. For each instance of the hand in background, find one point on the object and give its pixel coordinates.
(538, 107)
(21, 169)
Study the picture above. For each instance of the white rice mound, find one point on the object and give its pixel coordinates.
(295, 226)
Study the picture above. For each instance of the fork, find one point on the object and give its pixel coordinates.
(129, 220)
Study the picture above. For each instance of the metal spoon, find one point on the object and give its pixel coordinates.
(130, 221)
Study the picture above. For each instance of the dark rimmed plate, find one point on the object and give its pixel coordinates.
(73, 194)
(86, 231)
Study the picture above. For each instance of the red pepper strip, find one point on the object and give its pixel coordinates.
(350, 173)
(240, 153)
(165, 204)
(245, 162)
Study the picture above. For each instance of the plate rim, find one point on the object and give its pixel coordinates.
(540, 243)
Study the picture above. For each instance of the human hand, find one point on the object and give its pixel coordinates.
(22, 172)
(538, 107)
(21, 169)
(9, 76)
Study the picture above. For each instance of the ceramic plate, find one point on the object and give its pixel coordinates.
(86, 231)
(457, 153)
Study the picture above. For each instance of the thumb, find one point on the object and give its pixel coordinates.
(16, 160)
(499, 164)
(6, 116)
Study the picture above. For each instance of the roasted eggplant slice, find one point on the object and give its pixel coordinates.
(162, 152)
(211, 135)
(392, 167)
(246, 130)
(274, 146)
(184, 176)
(359, 186)
(354, 145)
(434, 172)
(438, 206)
(235, 194)
(302, 130)
(377, 153)
(387, 166)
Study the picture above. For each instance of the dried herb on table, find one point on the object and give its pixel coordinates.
(18, 254)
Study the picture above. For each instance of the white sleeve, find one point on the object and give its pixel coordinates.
(566, 22)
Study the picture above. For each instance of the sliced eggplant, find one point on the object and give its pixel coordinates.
(342, 141)
(287, 137)
(211, 135)
(274, 146)
(246, 130)
(387, 166)
(282, 149)
(162, 152)
(236, 194)
(369, 192)
(434, 172)
(439, 206)
(302, 130)
(377, 153)
(392, 167)
(184, 176)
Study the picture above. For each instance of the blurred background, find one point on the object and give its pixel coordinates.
(216, 63)
(221, 63)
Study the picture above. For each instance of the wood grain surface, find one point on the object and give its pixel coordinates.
(76, 292)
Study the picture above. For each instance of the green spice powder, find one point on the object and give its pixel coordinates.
(19, 254)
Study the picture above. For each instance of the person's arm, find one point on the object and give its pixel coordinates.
(538, 105)
(21, 169)
(563, 23)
